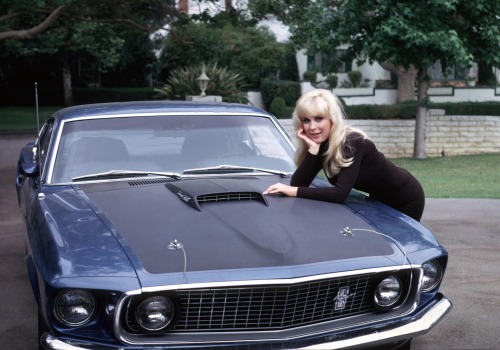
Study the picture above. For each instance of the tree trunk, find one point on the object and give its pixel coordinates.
(67, 90)
(419, 145)
(406, 81)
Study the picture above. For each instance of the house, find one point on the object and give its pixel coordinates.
(378, 86)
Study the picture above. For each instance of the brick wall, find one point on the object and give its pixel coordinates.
(445, 134)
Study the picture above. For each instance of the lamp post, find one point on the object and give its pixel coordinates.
(203, 81)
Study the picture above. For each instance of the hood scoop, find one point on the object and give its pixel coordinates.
(205, 191)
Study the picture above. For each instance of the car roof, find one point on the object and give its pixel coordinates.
(154, 107)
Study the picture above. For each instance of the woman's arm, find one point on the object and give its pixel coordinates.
(344, 183)
(345, 180)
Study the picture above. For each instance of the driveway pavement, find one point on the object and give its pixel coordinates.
(468, 228)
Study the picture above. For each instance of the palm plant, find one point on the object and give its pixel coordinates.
(183, 82)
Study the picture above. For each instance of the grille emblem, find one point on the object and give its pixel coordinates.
(341, 298)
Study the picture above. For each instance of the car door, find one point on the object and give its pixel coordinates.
(31, 165)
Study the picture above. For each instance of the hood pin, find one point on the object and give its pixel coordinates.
(347, 232)
(175, 245)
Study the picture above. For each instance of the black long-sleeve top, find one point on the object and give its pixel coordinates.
(370, 172)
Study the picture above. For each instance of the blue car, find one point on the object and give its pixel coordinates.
(146, 228)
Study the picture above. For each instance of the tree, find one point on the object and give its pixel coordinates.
(26, 19)
(252, 52)
(69, 29)
(33, 31)
(406, 37)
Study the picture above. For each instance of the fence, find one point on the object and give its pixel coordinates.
(446, 135)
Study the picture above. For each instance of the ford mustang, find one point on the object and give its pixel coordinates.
(146, 227)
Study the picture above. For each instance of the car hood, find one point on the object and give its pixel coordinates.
(202, 225)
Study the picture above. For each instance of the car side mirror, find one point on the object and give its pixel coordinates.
(27, 162)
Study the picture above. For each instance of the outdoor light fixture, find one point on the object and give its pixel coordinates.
(203, 82)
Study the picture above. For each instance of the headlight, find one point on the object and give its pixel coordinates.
(155, 313)
(74, 307)
(432, 275)
(388, 292)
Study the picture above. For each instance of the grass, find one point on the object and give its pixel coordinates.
(468, 176)
(23, 118)
(471, 176)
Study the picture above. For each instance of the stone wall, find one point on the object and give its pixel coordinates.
(445, 134)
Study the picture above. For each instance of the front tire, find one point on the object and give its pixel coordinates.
(405, 346)
(42, 328)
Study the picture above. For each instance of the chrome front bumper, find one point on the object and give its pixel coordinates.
(418, 327)
(412, 329)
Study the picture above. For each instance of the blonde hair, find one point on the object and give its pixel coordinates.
(324, 103)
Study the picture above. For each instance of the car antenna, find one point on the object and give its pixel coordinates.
(36, 107)
(40, 195)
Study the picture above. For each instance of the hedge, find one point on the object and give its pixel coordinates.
(396, 111)
(408, 110)
(97, 95)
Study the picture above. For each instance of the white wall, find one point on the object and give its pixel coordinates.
(358, 96)
(372, 72)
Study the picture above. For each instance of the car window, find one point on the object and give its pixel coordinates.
(169, 144)
(44, 142)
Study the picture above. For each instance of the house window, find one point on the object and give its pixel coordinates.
(456, 72)
(345, 65)
(333, 62)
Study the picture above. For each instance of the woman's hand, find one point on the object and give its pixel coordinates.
(289, 191)
(312, 146)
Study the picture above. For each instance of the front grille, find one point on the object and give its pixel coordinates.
(273, 307)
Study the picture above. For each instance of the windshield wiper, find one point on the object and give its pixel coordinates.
(117, 174)
(225, 169)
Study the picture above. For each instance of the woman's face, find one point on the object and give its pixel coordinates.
(316, 127)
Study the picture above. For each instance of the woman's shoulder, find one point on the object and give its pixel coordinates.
(357, 142)
(356, 136)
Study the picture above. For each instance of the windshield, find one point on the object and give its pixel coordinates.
(169, 144)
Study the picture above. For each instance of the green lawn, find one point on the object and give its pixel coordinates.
(23, 118)
(471, 176)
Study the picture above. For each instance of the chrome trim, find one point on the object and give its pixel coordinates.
(58, 299)
(118, 310)
(438, 280)
(120, 334)
(48, 341)
(49, 162)
(280, 281)
(183, 177)
(418, 327)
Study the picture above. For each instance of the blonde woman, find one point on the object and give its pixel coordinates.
(349, 159)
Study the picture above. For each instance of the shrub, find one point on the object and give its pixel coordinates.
(469, 108)
(332, 80)
(279, 108)
(223, 83)
(405, 110)
(310, 76)
(288, 90)
(408, 110)
(355, 79)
